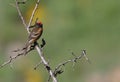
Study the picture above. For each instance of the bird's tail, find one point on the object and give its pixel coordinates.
(25, 49)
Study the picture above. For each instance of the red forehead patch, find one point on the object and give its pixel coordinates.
(39, 22)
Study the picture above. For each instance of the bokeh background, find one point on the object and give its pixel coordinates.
(69, 26)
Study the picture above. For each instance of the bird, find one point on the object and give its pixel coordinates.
(34, 35)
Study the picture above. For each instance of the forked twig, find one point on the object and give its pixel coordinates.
(58, 69)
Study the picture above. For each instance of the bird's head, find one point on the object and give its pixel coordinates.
(39, 24)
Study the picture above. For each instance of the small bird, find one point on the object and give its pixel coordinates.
(34, 35)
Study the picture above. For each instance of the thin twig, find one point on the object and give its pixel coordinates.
(37, 65)
(33, 13)
(74, 60)
(22, 2)
(14, 57)
(20, 14)
(10, 60)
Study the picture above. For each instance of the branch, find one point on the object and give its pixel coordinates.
(46, 64)
(14, 57)
(74, 60)
(10, 60)
(39, 50)
(37, 65)
(33, 13)
(20, 14)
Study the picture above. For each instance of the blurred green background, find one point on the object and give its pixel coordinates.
(69, 25)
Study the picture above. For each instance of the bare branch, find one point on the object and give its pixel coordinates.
(37, 65)
(33, 13)
(74, 60)
(46, 63)
(39, 50)
(20, 14)
(16, 56)
(10, 60)
(85, 55)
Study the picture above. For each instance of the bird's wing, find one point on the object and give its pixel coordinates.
(34, 35)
